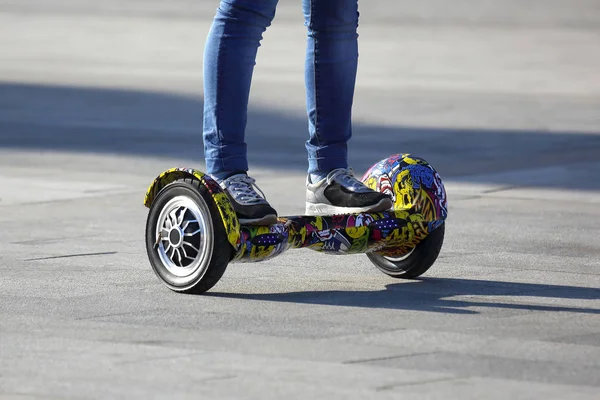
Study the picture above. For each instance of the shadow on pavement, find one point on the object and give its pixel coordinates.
(139, 123)
(435, 295)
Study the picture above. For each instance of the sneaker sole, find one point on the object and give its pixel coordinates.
(328, 209)
(266, 220)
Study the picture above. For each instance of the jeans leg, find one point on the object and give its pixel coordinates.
(330, 74)
(229, 60)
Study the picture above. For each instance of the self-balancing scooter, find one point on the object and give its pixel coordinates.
(192, 232)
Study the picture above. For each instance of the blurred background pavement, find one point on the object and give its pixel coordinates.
(502, 97)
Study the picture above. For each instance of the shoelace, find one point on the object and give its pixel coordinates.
(347, 179)
(242, 189)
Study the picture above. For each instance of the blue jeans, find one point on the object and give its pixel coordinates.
(330, 75)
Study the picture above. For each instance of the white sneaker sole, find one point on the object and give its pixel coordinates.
(327, 209)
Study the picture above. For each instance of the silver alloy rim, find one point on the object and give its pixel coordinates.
(184, 235)
(400, 258)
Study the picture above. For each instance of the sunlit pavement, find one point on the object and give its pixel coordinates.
(503, 99)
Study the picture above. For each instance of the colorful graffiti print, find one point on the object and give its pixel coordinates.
(228, 215)
(340, 234)
(414, 183)
(416, 187)
(420, 205)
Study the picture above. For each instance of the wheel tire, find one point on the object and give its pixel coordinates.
(415, 263)
(193, 202)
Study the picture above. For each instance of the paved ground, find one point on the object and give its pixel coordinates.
(502, 97)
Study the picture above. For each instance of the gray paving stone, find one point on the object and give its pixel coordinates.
(97, 98)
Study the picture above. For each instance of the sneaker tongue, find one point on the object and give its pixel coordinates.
(240, 186)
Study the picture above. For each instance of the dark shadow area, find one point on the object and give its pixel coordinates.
(434, 295)
(138, 123)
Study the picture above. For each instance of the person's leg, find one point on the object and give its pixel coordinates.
(330, 74)
(229, 60)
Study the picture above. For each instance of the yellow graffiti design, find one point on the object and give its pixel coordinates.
(317, 223)
(296, 238)
(418, 227)
(228, 215)
(371, 182)
(359, 244)
(316, 246)
(356, 232)
(405, 194)
(407, 159)
(396, 237)
(407, 236)
(424, 205)
(377, 216)
(260, 252)
(161, 181)
(199, 175)
(229, 218)
(401, 214)
(303, 233)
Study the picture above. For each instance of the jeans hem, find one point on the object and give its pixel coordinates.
(226, 164)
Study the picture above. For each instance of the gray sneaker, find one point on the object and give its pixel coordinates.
(251, 208)
(341, 193)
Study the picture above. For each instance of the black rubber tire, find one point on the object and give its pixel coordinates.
(418, 262)
(221, 251)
